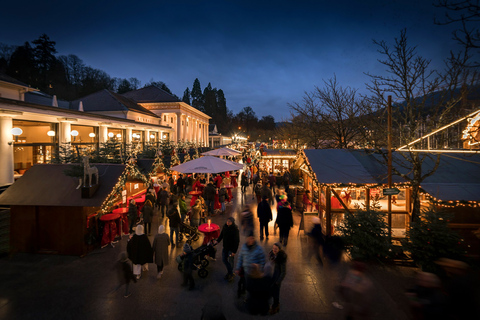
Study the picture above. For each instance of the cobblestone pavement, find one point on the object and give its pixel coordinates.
(34, 286)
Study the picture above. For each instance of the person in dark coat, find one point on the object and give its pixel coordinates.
(162, 200)
(132, 214)
(266, 191)
(284, 222)
(180, 185)
(124, 272)
(244, 182)
(160, 250)
(139, 251)
(188, 267)
(174, 221)
(279, 258)
(209, 196)
(147, 212)
(222, 196)
(247, 221)
(151, 196)
(264, 213)
(231, 239)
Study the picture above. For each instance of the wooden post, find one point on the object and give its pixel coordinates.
(367, 198)
(389, 131)
(328, 211)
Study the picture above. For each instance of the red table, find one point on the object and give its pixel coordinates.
(229, 192)
(111, 228)
(195, 195)
(157, 188)
(211, 231)
(123, 212)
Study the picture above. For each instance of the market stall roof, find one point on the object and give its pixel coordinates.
(222, 152)
(47, 185)
(456, 178)
(278, 153)
(207, 164)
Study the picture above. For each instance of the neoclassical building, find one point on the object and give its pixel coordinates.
(33, 124)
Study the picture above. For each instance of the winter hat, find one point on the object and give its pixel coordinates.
(139, 230)
(278, 245)
(231, 219)
(161, 229)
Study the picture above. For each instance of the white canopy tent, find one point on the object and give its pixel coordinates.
(222, 152)
(207, 164)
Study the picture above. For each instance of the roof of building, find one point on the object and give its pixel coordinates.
(39, 97)
(47, 185)
(456, 178)
(105, 100)
(278, 152)
(151, 94)
(6, 78)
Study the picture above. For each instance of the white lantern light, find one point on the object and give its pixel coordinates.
(51, 133)
(110, 134)
(119, 135)
(16, 131)
(74, 133)
(91, 135)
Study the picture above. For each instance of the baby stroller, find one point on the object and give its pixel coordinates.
(187, 231)
(201, 253)
(199, 260)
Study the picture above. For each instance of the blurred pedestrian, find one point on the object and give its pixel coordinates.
(272, 181)
(258, 191)
(264, 213)
(160, 250)
(139, 251)
(196, 212)
(257, 287)
(222, 197)
(244, 182)
(427, 299)
(209, 196)
(247, 220)
(357, 291)
(279, 259)
(124, 272)
(318, 240)
(267, 192)
(250, 253)
(462, 287)
(284, 222)
(183, 207)
(231, 239)
(180, 185)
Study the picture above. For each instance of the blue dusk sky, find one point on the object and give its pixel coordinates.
(263, 54)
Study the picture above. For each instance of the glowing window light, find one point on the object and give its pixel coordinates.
(51, 133)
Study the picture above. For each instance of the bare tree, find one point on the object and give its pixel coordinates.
(426, 99)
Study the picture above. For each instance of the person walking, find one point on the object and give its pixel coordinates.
(183, 207)
(180, 185)
(284, 222)
(264, 213)
(124, 272)
(231, 239)
(160, 250)
(267, 192)
(174, 221)
(250, 253)
(132, 214)
(196, 214)
(147, 212)
(139, 251)
(258, 191)
(272, 181)
(279, 258)
(247, 221)
(258, 289)
(162, 200)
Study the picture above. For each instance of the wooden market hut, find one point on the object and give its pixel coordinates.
(343, 179)
(48, 213)
(277, 160)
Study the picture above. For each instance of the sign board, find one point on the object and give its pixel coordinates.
(390, 191)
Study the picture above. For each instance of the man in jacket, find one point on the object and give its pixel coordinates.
(175, 220)
(231, 238)
(162, 199)
(264, 213)
(250, 253)
(209, 196)
(180, 185)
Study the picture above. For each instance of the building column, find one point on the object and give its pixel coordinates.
(207, 142)
(179, 127)
(195, 131)
(6, 151)
(102, 134)
(128, 138)
(64, 133)
(147, 136)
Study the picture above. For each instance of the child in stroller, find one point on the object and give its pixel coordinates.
(200, 261)
(191, 233)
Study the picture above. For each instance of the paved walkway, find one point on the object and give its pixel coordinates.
(65, 287)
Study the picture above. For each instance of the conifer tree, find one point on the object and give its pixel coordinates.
(197, 96)
(186, 96)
